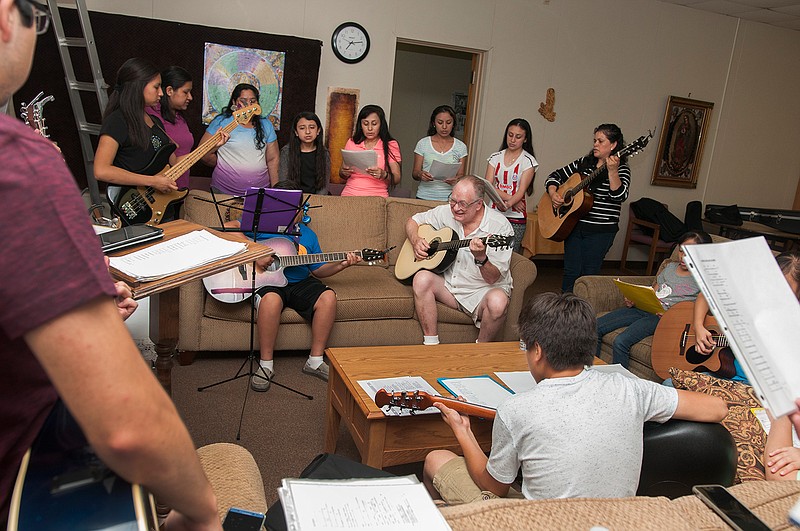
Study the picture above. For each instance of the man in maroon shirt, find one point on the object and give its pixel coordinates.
(60, 331)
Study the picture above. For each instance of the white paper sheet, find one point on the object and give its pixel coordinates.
(443, 170)
(763, 419)
(491, 191)
(517, 381)
(359, 160)
(758, 313)
(399, 383)
(480, 390)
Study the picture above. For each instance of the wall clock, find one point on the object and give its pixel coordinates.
(350, 42)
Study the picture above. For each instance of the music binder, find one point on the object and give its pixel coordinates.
(758, 313)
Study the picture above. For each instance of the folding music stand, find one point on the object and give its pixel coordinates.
(256, 212)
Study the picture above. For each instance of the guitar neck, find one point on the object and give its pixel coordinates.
(188, 161)
(455, 244)
(319, 258)
(466, 408)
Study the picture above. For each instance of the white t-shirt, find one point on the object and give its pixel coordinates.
(507, 177)
(437, 190)
(577, 437)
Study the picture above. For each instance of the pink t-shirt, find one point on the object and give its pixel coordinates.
(180, 134)
(364, 184)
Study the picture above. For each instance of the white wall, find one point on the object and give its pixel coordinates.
(608, 60)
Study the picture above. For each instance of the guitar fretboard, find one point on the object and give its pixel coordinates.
(308, 259)
(455, 244)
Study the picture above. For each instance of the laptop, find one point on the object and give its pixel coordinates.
(127, 236)
(278, 209)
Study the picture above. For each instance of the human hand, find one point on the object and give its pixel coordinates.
(452, 180)
(223, 138)
(345, 172)
(704, 340)
(421, 247)
(264, 262)
(352, 259)
(178, 522)
(453, 418)
(612, 163)
(556, 199)
(629, 303)
(425, 176)
(477, 248)
(376, 173)
(783, 461)
(519, 207)
(163, 184)
(125, 303)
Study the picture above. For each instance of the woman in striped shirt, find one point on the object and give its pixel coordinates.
(587, 245)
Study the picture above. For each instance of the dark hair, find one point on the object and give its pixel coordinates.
(698, 236)
(258, 127)
(175, 77)
(383, 133)
(437, 111)
(614, 134)
(789, 262)
(294, 151)
(128, 97)
(523, 124)
(563, 325)
(26, 12)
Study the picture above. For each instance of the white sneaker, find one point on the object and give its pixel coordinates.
(258, 382)
(320, 372)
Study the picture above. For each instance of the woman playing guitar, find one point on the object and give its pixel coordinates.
(587, 244)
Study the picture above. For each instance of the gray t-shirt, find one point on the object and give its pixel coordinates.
(579, 436)
(674, 288)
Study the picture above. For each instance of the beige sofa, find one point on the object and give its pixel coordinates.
(373, 307)
(604, 297)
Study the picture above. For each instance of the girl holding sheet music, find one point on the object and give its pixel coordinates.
(441, 145)
(673, 284)
(372, 133)
(511, 171)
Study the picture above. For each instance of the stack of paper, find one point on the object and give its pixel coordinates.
(481, 390)
(179, 254)
(400, 503)
(400, 383)
(360, 160)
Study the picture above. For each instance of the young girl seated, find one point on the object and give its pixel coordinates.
(674, 284)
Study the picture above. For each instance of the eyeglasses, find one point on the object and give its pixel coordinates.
(41, 17)
(462, 205)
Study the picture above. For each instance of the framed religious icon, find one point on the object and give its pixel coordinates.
(681, 146)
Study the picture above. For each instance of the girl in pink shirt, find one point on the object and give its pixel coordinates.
(372, 133)
(176, 83)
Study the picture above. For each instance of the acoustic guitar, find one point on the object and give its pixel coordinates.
(145, 204)
(556, 223)
(236, 285)
(419, 400)
(33, 113)
(442, 251)
(674, 345)
(62, 484)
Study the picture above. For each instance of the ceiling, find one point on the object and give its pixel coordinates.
(781, 13)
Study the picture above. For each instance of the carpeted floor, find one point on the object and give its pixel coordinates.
(283, 430)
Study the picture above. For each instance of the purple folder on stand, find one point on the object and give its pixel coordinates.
(277, 210)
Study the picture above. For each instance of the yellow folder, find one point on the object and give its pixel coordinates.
(643, 297)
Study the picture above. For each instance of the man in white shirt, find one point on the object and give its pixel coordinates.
(479, 280)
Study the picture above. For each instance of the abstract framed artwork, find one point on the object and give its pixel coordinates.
(683, 136)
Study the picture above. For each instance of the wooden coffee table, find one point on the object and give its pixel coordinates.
(386, 441)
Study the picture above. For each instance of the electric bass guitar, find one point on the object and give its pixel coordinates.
(556, 223)
(419, 400)
(145, 204)
(442, 251)
(62, 484)
(674, 345)
(235, 285)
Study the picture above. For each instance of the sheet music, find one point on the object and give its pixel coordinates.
(758, 313)
(763, 419)
(360, 160)
(443, 170)
(399, 503)
(480, 390)
(399, 383)
(173, 256)
(517, 381)
(491, 191)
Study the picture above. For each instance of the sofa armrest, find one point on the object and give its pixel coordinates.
(523, 273)
(190, 313)
(602, 293)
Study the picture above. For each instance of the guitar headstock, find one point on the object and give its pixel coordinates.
(414, 400)
(245, 114)
(33, 114)
(637, 146)
(373, 256)
(498, 241)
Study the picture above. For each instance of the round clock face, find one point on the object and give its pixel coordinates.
(350, 42)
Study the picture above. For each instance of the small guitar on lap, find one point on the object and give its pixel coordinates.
(442, 251)
(145, 204)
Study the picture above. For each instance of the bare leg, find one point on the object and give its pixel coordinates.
(494, 307)
(433, 463)
(429, 288)
(321, 325)
(269, 318)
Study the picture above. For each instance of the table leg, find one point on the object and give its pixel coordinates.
(332, 421)
(164, 333)
(375, 443)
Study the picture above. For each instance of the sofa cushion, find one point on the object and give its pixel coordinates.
(348, 223)
(744, 426)
(362, 293)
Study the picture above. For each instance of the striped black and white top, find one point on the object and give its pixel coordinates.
(605, 211)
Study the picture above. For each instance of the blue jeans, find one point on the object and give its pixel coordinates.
(640, 324)
(583, 254)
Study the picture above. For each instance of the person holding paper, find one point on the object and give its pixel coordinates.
(372, 133)
(479, 281)
(61, 333)
(789, 264)
(511, 171)
(305, 160)
(673, 284)
(250, 158)
(553, 432)
(587, 244)
(440, 145)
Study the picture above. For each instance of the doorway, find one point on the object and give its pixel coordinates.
(426, 76)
